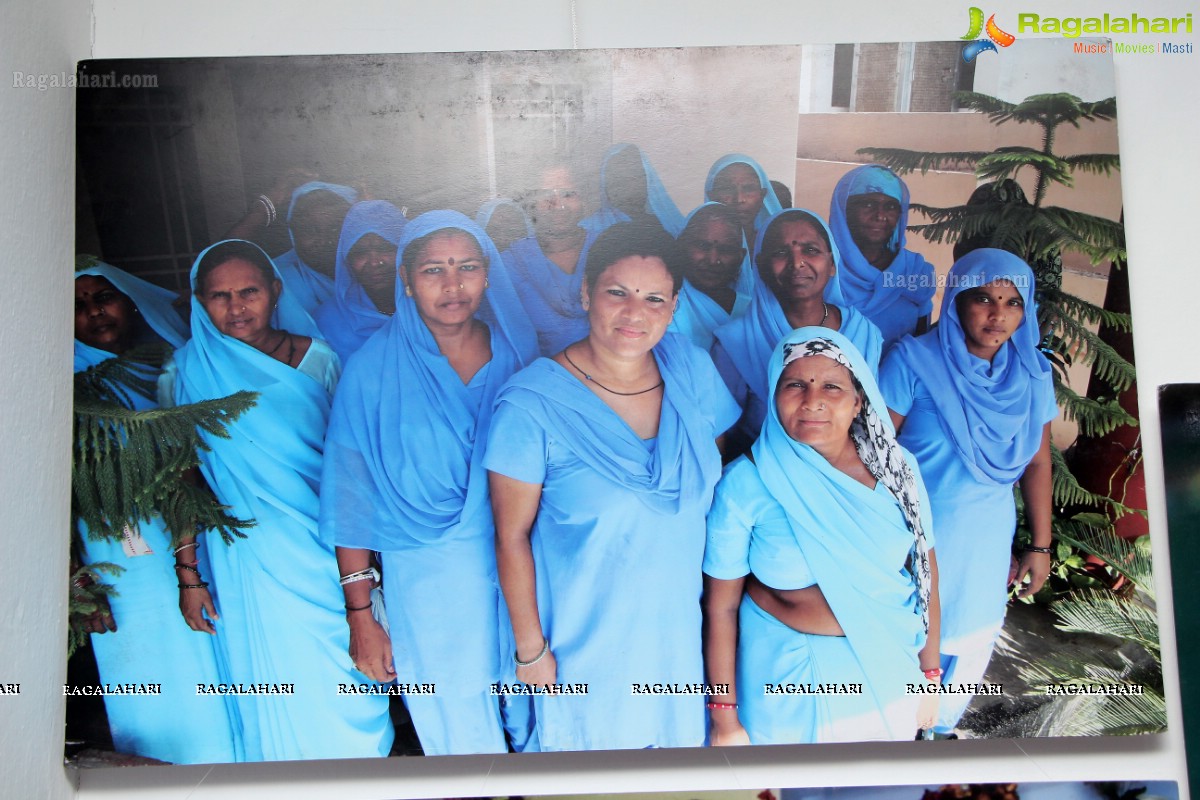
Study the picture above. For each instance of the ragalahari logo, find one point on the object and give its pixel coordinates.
(995, 36)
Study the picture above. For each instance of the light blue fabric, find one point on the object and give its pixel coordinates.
(864, 551)
(658, 199)
(350, 317)
(309, 287)
(744, 346)
(617, 544)
(403, 475)
(281, 608)
(483, 217)
(973, 426)
(152, 643)
(550, 297)
(771, 205)
(697, 314)
(894, 298)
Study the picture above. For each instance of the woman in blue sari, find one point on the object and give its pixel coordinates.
(798, 264)
(504, 221)
(145, 641)
(973, 400)
(631, 191)
(602, 463)
(280, 607)
(314, 219)
(365, 283)
(739, 182)
(893, 286)
(820, 565)
(403, 477)
(719, 278)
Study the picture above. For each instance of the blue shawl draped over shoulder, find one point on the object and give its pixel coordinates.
(893, 298)
(350, 317)
(750, 339)
(771, 205)
(658, 199)
(988, 413)
(309, 287)
(403, 465)
(697, 314)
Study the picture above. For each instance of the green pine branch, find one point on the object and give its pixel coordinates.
(89, 594)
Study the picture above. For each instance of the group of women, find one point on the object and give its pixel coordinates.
(544, 553)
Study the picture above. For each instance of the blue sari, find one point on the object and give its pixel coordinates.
(403, 476)
(277, 593)
(894, 298)
(152, 643)
(307, 286)
(617, 544)
(974, 426)
(350, 317)
(795, 521)
(658, 200)
(743, 348)
(483, 217)
(697, 314)
(771, 205)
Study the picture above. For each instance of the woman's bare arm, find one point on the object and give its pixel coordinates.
(721, 601)
(1035, 489)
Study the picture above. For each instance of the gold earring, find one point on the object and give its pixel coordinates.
(486, 283)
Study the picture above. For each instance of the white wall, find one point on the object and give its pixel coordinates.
(36, 219)
(1158, 148)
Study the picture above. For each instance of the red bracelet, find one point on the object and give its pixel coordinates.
(933, 674)
(723, 706)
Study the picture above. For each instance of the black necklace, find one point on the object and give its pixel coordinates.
(567, 356)
(282, 336)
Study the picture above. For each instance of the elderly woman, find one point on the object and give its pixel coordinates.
(740, 183)
(603, 460)
(631, 191)
(719, 276)
(365, 281)
(314, 219)
(798, 264)
(894, 287)
(281, 610)
(403, 477)
(145, 641)
(820, 565)
(973, 400)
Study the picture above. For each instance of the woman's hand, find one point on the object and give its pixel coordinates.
(371, 648)
(543, 673)
(927, 711)
(726, 729)
(193, 604)
(101, 620)
(1032, 566)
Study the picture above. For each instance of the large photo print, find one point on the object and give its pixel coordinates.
(544, 401)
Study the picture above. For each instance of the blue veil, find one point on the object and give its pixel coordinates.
(154, 305)
(910, 278)
(697, 314)
(750, 339)
(658, 199)
(349, 318)
(771, 204)
(309, 287)
(483, 217)
(986, 408)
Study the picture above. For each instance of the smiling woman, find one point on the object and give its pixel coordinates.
(602, 464)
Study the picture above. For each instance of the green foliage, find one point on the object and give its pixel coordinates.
(89, 594)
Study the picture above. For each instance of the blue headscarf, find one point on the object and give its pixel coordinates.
(305, 284)
(847, 532)
(771, 205)
(658, 199)
(989, 410)
(750, 339)
(483, 217)
(911, 277)
(350, 317)
(404, 452)
(697, 314)
(154, 304)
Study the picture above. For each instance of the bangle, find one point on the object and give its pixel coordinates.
(368, 574)
(537, 658)
(182, 547)
(1031, 549)
(200, 585)
(720, 706)
(190, 568)
(933, 674)
(269, 207)
(367, 607)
